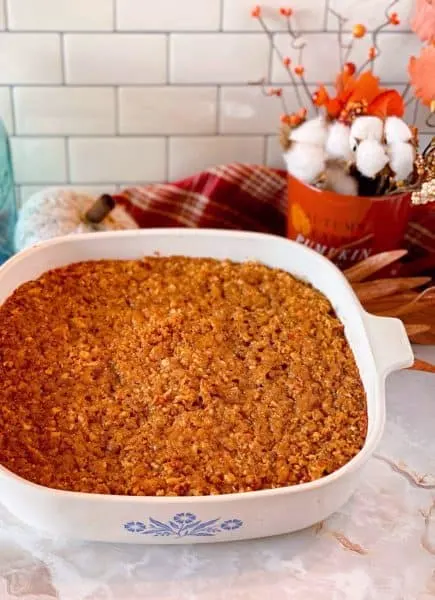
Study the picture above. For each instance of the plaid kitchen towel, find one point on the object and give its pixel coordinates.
(253, 198)
(234, 196)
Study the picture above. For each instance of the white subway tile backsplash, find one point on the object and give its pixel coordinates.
(27, 58)
(168, 15)
(274, 153)
(64, 111)
(218, 58)
(369, 12)
(6, 109)
(145, 91)
(306, 15)
(167, 110)
(320, 56)
(115, 58)
(416, 114)
(60, 15)
(2, 14)
(96, 160)
(190, 155)
(38, 160)
(246, 109)
(25, 191)
(395, 50)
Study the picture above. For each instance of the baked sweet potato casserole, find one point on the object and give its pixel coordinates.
(175, 376)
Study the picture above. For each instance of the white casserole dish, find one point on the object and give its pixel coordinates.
(380, 345)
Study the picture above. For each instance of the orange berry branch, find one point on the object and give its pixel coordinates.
(391, 18)
(341, 45)
(335, 108)
(360, 144)
(298, 70)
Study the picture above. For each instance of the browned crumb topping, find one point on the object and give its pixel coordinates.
(175, 376)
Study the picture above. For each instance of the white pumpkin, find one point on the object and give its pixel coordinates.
(56, 212)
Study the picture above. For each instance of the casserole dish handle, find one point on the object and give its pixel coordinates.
(389, 342)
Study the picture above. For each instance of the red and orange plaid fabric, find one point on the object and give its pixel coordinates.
(252, 198)
(232, 196)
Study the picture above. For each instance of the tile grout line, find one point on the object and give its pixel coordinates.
(221, 15)
(17, 188)
(116, 92)
(67, 161)
(325, 18)
(62, 58)
(6, 14)
(114, 15)
(193, 84)
(168, 59)
(84, 184)
(218, 108)
(189, 32)
(13, 113)
(167, 157)
(134, 136)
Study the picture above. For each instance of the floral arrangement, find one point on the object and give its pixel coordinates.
(353, 140)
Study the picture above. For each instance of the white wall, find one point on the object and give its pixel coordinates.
(101, 93)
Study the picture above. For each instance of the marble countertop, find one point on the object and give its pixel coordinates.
(380, 546)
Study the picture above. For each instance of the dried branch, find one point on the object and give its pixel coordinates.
(406, 90)
(415, 113)
(422, 365)
(371, 265)
(341, 45)
(281, 57)
(278, 92)
(375, 34)
(300, 48)
(430, 119)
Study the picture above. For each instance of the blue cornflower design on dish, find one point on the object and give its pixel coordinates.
(232, 524)
(135, 526)
(182, 525)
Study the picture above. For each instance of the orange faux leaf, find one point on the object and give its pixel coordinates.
(363, 92)
(423, 23)
(387, 104)
(345, 82)
(334, 108)
(421, 72)
(320, 96)
(366, 88)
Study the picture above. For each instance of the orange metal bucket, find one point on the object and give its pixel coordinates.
(346, 229)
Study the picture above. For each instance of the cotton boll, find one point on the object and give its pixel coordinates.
(305, 161)
(370, 157)
(402, 156)
(338, 181)
(396, 130)
(365, 128)
(310, 132)
(337, 141)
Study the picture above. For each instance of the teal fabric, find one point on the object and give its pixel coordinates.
(8, 211)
